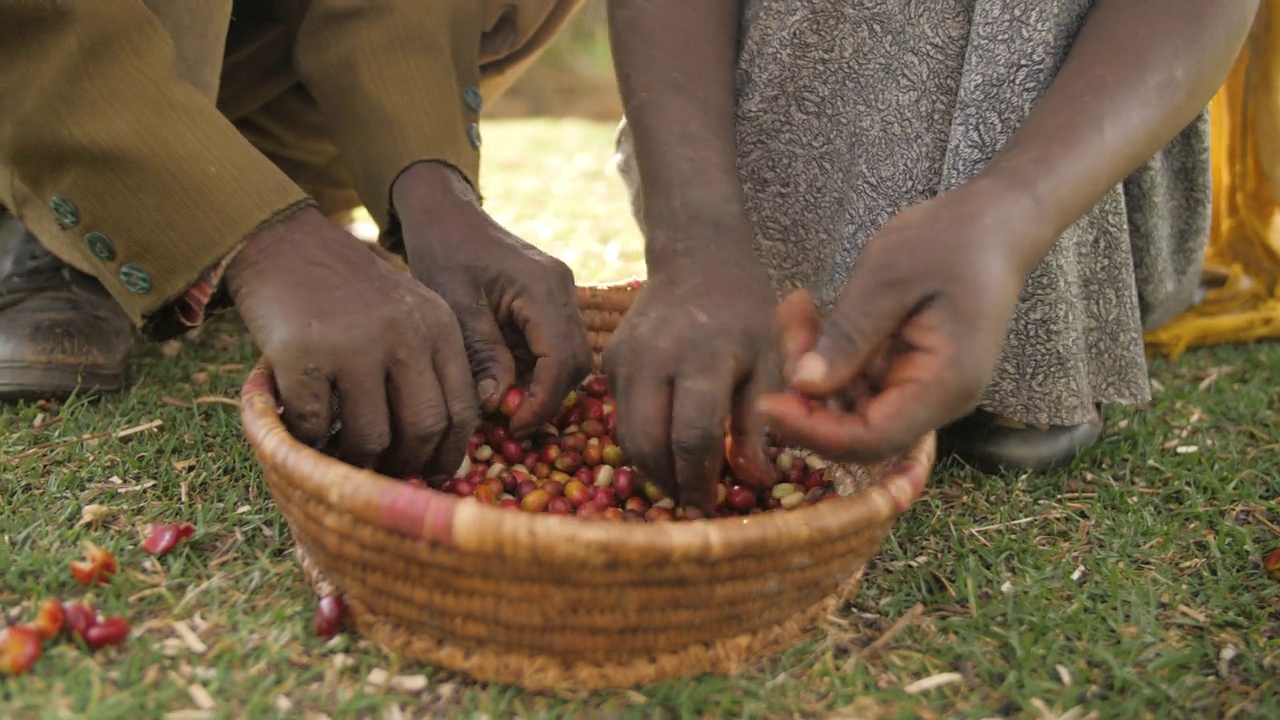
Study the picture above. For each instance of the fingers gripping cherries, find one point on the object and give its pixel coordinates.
(572, 466)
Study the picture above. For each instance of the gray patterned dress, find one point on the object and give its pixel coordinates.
(851, 110)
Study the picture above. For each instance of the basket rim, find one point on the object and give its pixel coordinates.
(430, 515)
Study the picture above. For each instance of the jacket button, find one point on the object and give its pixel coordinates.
(473, 135)
(135, 279)
(64, 211)
(473, 99)
(100, 245)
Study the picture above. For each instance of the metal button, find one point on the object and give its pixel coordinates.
(100, 245)
(64, 211)
(473, 99)
(135, 279)
(473, 134)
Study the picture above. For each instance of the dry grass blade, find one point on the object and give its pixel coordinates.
(118, 434)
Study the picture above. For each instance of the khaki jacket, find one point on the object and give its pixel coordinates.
(143, 141)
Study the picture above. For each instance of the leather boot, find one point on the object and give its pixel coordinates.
(60, 331)
(992, 444)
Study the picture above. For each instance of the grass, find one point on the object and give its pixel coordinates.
(1128, 586)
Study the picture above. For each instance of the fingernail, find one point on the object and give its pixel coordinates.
(811, 368)
(487, 389)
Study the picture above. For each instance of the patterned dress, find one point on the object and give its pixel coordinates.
(851, 110)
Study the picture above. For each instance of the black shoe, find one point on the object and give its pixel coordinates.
(992, 444)
(59, 329)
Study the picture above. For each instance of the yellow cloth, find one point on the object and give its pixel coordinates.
(1242, 263)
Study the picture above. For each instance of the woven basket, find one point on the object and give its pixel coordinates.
(548, 602)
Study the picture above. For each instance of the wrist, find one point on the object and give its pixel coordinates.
(265, 248)
(1017, 218)
(431, 184)
(708, 245)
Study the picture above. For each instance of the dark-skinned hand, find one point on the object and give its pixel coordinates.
(914, 336)
(517, 306)
(692, 353)
(350, 337)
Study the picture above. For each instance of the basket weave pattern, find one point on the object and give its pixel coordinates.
(548, 602)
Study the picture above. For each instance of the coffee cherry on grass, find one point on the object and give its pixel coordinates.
(99, 565)
(163, 537)
(19, 649)
(78, 617)
(50, 620)
(328, 616)
(1272, 564)
(110, 631)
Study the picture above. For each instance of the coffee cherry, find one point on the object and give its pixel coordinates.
(535, 501)
(511, 400)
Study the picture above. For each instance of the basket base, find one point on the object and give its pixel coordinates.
(536, 672)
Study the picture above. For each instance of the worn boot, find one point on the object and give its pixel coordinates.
(992, 444)
(59, 329)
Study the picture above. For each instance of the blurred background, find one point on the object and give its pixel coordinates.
(573, 78)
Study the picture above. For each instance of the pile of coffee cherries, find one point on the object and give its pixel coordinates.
(572, 466)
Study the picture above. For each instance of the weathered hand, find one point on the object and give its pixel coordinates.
(336, 322)
(517, 306)
(692, 353)
(914, 336)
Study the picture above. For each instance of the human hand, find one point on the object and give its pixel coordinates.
(914, 337)
(517, 306)
(694, 351)
(336, 322)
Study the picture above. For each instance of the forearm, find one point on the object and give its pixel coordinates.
(1137, 74)
(675, 61)
(155, 186)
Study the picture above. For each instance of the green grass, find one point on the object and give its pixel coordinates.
(1111, 589)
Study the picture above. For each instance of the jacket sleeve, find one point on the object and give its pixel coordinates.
(398, 83)
(132, 168)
